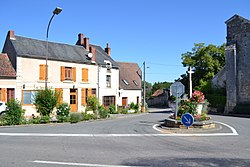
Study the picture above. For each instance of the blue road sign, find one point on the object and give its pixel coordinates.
(187, 119)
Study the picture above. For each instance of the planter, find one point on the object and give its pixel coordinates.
(199, 108)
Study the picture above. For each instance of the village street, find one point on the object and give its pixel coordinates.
(129, 140)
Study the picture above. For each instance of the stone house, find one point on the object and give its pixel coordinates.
(71, 71)
(236, 74)
(129, 84)
(159, 98)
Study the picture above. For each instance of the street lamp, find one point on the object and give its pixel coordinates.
(55, 12)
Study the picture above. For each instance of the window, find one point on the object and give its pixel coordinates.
(42, 72)
(135, 82)
(68, 73)
(10, 93)
(85, 75)
(94, 91)
(73, 96)
(125, 81)
(108, 100)
(29, 96)
(108, 81)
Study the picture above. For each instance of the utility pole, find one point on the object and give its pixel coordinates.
(144, 86)
(190, 82)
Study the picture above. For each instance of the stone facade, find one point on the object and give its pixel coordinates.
(237, 62)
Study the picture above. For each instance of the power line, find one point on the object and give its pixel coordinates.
(161, 64)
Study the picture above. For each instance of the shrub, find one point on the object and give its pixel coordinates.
(75, 117)
(112, 109)
(63, 112)
(14, 113)
(217, 101)
(44, 119)
(103, 113)
(132, 106)
(242, 108)
(187, 107)
(45, 101)
(92, 103)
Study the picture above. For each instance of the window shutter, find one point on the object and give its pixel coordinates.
(83, 97)
(4, 94)
(60, 95)
(85, 75)
(62, 73)
(74, 74)
(42, 72)
(89, 92)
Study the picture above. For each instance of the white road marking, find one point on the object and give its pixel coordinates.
(234, 132)
(77, 164)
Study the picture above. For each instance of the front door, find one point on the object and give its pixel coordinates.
(73, 100)
(124, 101)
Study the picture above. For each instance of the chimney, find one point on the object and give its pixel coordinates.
(11, 34)
(80, 40)
(86, 43)
(92, 50)
(108, 50)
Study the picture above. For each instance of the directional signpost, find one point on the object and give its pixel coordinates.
(177, 89)
(187, 119)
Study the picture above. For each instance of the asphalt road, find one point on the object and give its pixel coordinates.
(126, 141)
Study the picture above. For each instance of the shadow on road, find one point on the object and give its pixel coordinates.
(187, 162)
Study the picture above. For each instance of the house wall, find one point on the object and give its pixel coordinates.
(131, 96)
(28, 79)
(103, 89)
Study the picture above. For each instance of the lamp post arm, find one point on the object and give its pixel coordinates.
(47, 34)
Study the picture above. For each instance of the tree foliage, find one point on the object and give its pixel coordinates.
(206, 62)
(45, 101)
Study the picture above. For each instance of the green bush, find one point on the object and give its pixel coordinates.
(242, 109)
(132, 106)
(63, 112)
(14, 113)
(44, 119)
(187, 107)
(46, 101)
(112, 109)
(75, 117)
(92, 103)
(217, 101)
(103, 113)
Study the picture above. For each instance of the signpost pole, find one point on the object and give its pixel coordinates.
(176, 106)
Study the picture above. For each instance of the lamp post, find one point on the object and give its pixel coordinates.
(55, 12)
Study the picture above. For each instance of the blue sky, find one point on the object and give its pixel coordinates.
(154, 31)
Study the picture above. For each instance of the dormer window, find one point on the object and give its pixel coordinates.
(125, 81)
(135, 82)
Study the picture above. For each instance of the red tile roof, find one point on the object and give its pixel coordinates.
(130, 76)
(6, 68)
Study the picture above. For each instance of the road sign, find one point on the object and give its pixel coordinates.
(177, 89)
(187, 119)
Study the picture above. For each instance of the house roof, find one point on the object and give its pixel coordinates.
(158, 92)
(236, 17)
(6, 68)
(130, 76)
(33, 48)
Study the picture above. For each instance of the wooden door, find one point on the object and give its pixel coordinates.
(73, 100)
(124, 101)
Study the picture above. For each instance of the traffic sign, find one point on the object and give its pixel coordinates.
(177, 89)
(187, 119)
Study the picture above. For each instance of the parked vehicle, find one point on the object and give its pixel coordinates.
(2, 107)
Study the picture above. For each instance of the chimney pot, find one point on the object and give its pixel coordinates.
(86, 43)
(108, 50)
(92, 50)
(80, 39)
(11, 34)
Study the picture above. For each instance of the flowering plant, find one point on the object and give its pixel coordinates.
(198, 97)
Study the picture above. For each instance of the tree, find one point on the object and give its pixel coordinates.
(161, 85)
(45, 101)
(148, 88)
(206, 62)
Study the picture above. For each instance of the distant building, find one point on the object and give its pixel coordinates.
(236, 74)
(129, 84)
(159, 98)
